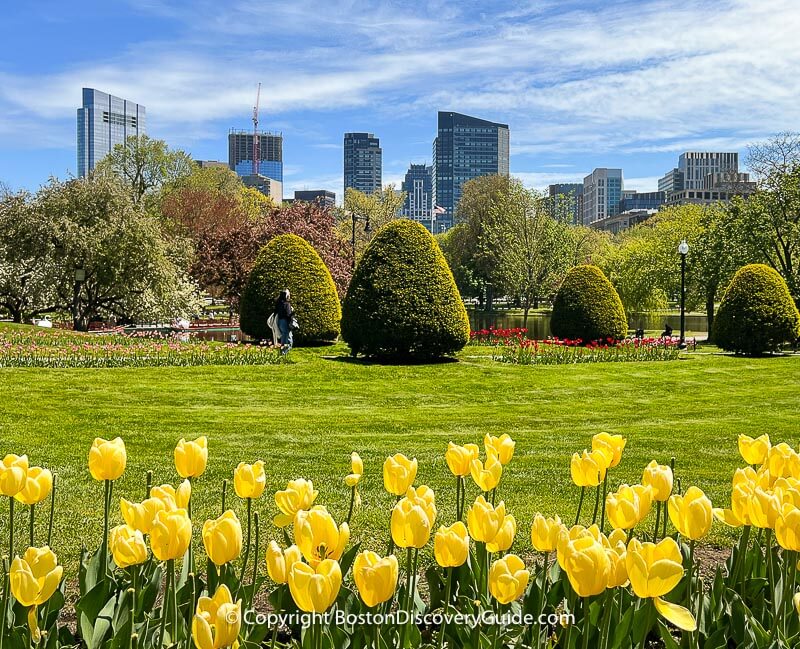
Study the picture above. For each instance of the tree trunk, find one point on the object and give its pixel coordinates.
(710, 312)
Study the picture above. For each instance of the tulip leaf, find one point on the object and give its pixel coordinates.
(622, 630)
(666, 636)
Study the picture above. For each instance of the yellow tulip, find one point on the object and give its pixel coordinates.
(459, 458)
(783, 461)
(171, 497)
(33, 579)
(504, 538)
(356, 470)
(659, 478)
(484, 520)
(587, 565)
(617, 551)
(410, 524)
(544, 533)
(754, 451)
(171, 534)
(645, 495)
(743, 484)
(280, 562)
(788, 491)
(191, 457)
(691, 513)
(654, 570)
(502, 447)
(763, 508)
(567, 538)
(425, 498)
(451, 545)
(623, 508)
(375, 577)
(614, 444)
(127, 546)
(107, 459)
(38, 485)
(299, 495)
(589, 469)
(249, 480)
(314, 589)
(141, 516)
(787, 528)
(222, 538)
(508, 579)
(217, 621)
(399, 473)
(317, 536)
(486, 475)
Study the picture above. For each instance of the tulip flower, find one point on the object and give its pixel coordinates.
(659, 478)
(13, 474)
(107, 459)
(410, 524)
(375, 577)
(141, 516)
(299, 495)
(754, 451)
(249, 480)
(787, 528)
(743, 485)
(174, 498)
(763, 508)
(691, 513)
(486, 475)
(568, 536)
(38, 484)
(459, 458)
(544, 533)
(508, 579)
(589, 469)
(783, 461)
(222, 538)
(654, 570)
(617, 550)
(127, 546)
(399, 473)
(171, 534)
(315, 588)
(356, 470)
(614, 444)
(425, 498)
(191, 457)
(317, 536)
(624, 508)
(484, 520)
(33, 579)
(217, 621)
(451, 545)
(504, 538)
(280, 562)
(587, 565)
(502, 447)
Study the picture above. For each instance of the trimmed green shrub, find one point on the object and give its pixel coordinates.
(587, 307)
(402, 300)
(757, 313)
(289, 261)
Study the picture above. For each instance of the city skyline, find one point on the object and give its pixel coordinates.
(580, 86)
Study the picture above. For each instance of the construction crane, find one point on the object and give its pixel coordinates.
(256, 149)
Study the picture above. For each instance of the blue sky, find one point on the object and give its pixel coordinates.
(581, 84)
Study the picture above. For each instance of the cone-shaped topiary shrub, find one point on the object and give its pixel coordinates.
(402, 299)
(757, 313)
(587, 307)
(289, 261)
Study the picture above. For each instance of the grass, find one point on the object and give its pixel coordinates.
(304, 419)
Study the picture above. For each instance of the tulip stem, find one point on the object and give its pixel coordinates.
(606, 628)
(224, 493)
(596, 504)
(603, 505)
(255, 559)
(277, 624)
(6, 588)
(11, 528)
(247, 547)
(31, 522)
(458, 497)
(135, 585)
(580, 505)
(664, 530)
(658, 520)
(744, 539)
(104, 545)
(190, 550)
(691, 580)
(447, 592)
(162, 626)
(52, 511)
(585, 633)
(174, 594)
(148, 484)
(407, 598)
(352, 502)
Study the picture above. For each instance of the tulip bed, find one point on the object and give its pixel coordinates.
(64, 349)
(623, 573)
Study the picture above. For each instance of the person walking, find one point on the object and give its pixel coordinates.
(284, 314)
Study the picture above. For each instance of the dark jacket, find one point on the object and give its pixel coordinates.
(284, 310)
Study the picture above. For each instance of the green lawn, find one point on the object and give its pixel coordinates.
(304, 420)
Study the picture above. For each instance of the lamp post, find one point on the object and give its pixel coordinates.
(683, 250)
(356, 217)
(80, 277)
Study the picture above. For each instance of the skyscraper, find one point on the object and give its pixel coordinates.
(696, 165)
(103, 122)
(465, 148)
(602, 192)
(270, 147)
(363, 162)
(418, 186)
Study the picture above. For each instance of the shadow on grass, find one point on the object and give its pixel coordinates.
(391, 360)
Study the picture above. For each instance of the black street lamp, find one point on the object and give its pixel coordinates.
(80, 277)
(357, 217)
(683, 250)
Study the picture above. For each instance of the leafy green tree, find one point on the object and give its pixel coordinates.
(380, 208)
(454, 245)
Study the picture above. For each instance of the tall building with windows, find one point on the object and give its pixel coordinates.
(270, 154)
(103, 122)
(465, 148)
(569, 197)
(602, 193)
(363, 162)
(696, 165)
(634, 200)
(672, 181)
(418, 186)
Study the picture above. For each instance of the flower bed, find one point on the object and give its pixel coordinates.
(65, 349)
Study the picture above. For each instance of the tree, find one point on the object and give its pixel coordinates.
(146, 166)
(380, 208)
(778, 155)
(454, 245)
